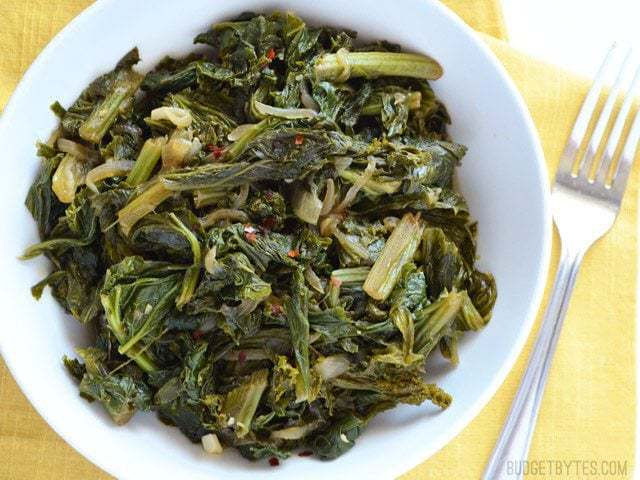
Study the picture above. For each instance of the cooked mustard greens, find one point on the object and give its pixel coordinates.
(264, 236)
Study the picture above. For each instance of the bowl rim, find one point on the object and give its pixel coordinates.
(412, 457)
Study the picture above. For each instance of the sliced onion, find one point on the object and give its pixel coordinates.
(79, 151)
(180, 148)
(288, 113)
(390, 222)
(241, 197)
(224, 214)
(210, 261)
(306, 98)
(333, 366)
(55, 135)
(211, 444)
(294, 433)
(196, 146)
(329, 198)
(175, 152)
(180, 117)
(328, 225)
(237, 132)
(69, 175)
(108, 170)
(306, 205)
(350, 196)
(342, 163)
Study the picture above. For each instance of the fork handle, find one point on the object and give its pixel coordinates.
(514, 441)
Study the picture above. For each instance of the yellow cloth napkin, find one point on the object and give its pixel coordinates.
(588, 411)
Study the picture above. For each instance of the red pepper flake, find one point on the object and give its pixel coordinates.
(293, 253)
(269, 223)
(299, 139)
(215, 150)
(271, 54)
(197, 335)
(242, 356)
(276, 309)
(250, 233)
(274, 462)
(305, 453)
(335, 282)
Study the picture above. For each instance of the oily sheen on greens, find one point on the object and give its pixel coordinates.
(263, 237)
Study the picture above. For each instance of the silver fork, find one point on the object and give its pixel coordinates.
(584, 209)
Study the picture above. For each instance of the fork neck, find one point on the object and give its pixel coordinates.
(571, 252)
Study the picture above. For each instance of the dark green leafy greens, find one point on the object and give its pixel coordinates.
(264, 236)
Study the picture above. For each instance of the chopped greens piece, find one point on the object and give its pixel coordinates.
(398, 251)
(146, 161)
(343, 65)
(264, 236)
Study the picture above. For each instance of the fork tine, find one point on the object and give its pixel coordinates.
(616, 132)
(603, 119)
(584, 117)
(629, 151)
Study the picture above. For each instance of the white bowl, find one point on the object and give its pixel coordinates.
(503, 178)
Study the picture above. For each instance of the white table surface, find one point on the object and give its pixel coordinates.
(576, 34)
